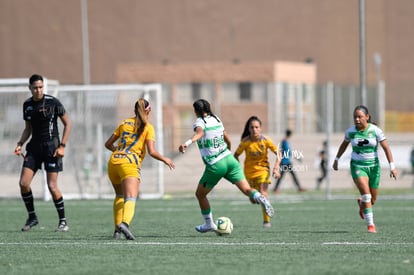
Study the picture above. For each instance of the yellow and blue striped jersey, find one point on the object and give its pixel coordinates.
(129, 142)
(256, 160)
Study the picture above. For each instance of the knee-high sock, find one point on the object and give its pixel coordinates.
(118, 207)
(254, 194)
(208, 216)
(266, 217)
(28, 202)
(129, 210)
(369, 216)
(60, 208)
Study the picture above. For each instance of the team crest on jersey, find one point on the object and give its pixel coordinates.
(362, 141)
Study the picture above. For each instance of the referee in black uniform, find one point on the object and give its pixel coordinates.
(40, 113)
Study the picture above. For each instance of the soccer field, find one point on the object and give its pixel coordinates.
(307, 237)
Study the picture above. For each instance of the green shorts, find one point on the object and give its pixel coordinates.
(228, 168)
(372, 173)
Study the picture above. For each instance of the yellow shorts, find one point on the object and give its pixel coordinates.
(120, 168)
(257, 181)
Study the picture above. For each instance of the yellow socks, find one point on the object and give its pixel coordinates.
(129, 211)
(118, 207)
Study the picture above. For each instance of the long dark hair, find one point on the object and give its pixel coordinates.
(246, 131)
(201, 107)
(141, 117)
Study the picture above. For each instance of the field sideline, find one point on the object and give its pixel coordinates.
(307, 237)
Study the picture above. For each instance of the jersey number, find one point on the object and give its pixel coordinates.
(127, 136)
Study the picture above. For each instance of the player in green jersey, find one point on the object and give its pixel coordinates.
(365, 167)
(214, 145)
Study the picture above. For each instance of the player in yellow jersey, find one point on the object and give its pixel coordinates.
(135, 136)
(256, 163)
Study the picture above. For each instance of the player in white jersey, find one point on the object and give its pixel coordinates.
(214, 145)
(365, 167)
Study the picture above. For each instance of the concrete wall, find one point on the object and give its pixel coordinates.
(46, 37)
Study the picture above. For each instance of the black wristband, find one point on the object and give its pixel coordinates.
(20, 144)
(62, 145)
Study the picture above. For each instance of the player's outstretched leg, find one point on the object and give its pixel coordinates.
(256, 196)
(266, 204)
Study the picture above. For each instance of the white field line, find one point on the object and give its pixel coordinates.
(116, 243)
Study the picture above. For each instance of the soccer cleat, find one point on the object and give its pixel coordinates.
(266, 204)
(267, 225)
(117, 235)
(62, 227)
(204, 228)
(29, 224)
(124, 229)
(361, 208)
(372, 228)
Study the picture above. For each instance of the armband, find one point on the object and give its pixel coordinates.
(336, 158)
(62, 145)
(392, 166)
(20, 144)
(188, 142)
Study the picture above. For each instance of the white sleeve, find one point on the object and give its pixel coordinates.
(198, 123)
(380, 134)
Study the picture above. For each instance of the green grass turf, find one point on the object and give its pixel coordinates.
(307, 237)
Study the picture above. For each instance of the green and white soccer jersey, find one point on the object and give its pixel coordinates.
(212, 146)
(364, 145)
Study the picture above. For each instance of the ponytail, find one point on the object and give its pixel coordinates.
(141, 117)
(201, 107)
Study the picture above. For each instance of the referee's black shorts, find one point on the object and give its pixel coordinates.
(42, 152)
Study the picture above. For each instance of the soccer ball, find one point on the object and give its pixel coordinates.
(224, 226)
